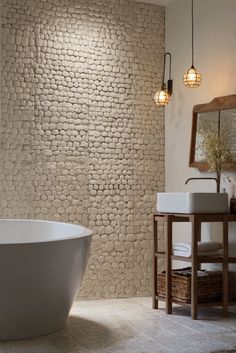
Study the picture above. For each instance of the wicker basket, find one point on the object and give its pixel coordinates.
(209, 285)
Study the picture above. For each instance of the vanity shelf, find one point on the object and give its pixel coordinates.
(200, 259)
(195, 260)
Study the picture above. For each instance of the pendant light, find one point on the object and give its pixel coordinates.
(162, 97)
(192, 77)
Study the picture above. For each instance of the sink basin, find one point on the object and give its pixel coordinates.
(192, 202)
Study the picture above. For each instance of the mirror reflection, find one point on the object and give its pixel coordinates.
(216, 118)
(222, 121)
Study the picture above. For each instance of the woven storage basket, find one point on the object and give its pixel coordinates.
(209, 285)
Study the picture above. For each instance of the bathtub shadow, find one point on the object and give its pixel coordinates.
(84, 334)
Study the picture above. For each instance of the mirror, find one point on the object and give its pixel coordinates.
(219, 116)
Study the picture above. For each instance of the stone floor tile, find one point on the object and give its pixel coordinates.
(132, 326)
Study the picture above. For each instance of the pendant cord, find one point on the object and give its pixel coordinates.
(192, 37)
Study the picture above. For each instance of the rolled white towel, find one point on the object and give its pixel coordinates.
(204, 249)
(182, 246)
(182, 249)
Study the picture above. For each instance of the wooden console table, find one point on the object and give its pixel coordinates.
(196, 220)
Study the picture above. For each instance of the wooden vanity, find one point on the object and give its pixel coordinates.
(195, 260)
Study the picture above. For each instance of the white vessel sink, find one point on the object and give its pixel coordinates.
(192, 202)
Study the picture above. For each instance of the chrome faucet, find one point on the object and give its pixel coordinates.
(207, 178)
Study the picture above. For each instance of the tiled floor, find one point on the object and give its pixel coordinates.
(131, 326)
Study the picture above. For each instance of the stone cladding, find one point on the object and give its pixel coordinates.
(81, 140)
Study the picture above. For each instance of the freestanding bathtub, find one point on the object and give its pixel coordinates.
(41, 268)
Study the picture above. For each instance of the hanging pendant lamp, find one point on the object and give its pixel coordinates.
(162, 97)
(192, 77)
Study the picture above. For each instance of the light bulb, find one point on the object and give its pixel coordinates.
(162, 97)
(192, 78)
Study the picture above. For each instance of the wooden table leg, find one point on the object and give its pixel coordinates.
(225, 269)
(196, 229)
(155, 264)
(168, 266)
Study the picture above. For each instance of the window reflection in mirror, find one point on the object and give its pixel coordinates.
(228, 121)
(205, 121)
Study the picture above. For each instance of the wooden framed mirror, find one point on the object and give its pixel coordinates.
(219, 114)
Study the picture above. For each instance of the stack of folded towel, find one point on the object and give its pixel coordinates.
(204, 249)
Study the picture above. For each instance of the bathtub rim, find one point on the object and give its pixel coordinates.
(87, 232)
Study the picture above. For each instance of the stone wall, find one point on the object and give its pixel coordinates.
(81, 140)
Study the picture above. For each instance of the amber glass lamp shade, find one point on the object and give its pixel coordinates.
(162, 97)
(192, 78)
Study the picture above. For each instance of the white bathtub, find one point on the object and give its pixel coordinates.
(41, 268)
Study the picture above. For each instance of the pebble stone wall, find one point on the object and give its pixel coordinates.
(81, 140)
